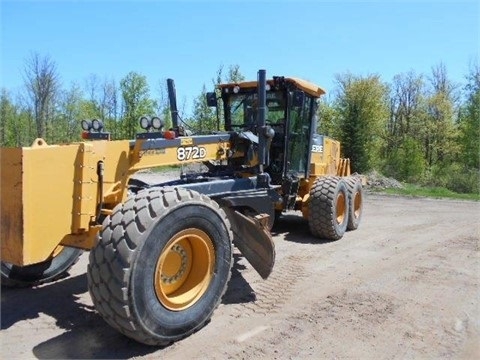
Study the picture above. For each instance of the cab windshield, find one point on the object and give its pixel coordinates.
(289, 148)
(241, 109)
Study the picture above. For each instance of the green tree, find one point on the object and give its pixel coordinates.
(407, 108)
(71, 112)
(404, 151)
(406, 161)
(233, 75)
(17, 125)
(439, 131)
(136, 102)
(362, 107)
(328, 123)
(109, 106)
(103, 103)
(469, 121)
(7, 119)
(204, 117)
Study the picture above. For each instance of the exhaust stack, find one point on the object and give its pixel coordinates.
(172, 98)
(261, 119)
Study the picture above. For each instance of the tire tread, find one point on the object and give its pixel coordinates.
(122, 230)
(321, 218)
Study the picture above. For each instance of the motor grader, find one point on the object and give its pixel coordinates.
(161, 254)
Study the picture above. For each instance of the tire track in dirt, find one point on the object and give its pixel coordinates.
(269, 296)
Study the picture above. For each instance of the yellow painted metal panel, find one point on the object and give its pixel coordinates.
(142, 159)
(84, 189)
(116, 156)
(49, 198)
(11, 221)
(327, 161)
(47, 194)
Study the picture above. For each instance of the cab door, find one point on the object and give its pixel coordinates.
(298, 137)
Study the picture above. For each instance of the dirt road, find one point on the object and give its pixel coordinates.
(404, 285)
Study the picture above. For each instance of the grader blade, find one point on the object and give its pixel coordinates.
(254, 240)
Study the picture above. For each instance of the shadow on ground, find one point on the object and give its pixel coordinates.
(239, 290)
(86, 335)
(294, 228)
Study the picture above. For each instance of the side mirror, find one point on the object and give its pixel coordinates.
(211, 99)
(298, 98)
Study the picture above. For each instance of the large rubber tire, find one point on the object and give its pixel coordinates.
(355, 201)
(53, 269)
(161, 265)
(328, 208)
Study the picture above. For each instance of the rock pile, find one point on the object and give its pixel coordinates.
(375, 180)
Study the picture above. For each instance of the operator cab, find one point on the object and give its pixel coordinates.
(291, 106)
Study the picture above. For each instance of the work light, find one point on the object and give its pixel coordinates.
(157, 123)
(97, 125)
(86, 125)
(145, 122)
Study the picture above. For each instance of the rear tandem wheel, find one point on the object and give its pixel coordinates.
(328, 208)
(162, 264)
(355, 199)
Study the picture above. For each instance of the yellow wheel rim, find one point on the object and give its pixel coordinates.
(184, 269)
(357, 204)
(340, 206)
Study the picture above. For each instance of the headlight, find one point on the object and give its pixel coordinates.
(157, 123)
(86, 125)
(144, 122)
(97, 125)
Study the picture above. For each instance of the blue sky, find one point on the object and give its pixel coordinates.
(189, 40)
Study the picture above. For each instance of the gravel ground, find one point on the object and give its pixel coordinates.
(404, 285)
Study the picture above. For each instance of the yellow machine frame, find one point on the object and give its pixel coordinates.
(43, 205)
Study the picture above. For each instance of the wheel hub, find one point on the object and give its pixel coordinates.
(177, 266)
(184, 269)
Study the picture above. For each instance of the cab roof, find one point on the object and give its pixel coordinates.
(301, 84)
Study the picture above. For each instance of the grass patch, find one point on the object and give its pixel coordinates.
(433, 192)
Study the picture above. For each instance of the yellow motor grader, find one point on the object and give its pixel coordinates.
(161, 254)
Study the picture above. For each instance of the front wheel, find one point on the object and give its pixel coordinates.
(62, 259)
(162, 265)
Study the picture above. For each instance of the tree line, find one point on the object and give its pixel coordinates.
(45, 109)
(417, 128)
